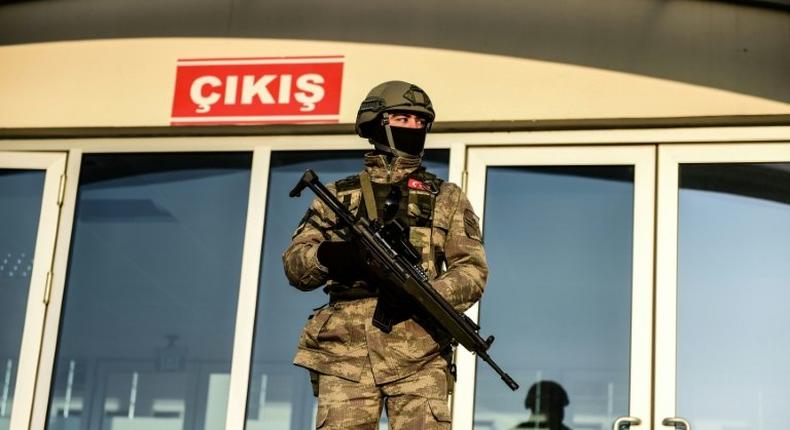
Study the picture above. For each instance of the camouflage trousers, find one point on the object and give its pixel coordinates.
(417, 402)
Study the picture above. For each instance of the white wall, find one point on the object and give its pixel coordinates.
(130, 82)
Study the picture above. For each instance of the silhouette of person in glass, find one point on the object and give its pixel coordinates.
(547, 401)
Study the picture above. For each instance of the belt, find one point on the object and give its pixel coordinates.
(348, 294)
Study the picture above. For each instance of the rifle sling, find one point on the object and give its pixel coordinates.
(367, 194)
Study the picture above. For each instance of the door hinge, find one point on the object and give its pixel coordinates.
(464, 180)
(48, 288)
(62, 190)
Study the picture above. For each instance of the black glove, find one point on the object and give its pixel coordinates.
(343, 259)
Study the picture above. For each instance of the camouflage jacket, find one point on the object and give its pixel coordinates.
(337, 338)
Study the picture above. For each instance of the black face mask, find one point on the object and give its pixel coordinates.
(408, 140)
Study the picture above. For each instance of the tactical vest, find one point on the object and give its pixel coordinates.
(418, 191)
(416, 210)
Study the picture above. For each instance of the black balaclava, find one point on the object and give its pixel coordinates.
(397, 141)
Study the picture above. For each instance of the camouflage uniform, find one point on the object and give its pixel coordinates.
(358, 364)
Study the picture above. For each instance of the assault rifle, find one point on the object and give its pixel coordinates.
(396, 261)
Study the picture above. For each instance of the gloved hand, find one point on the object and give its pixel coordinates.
(343, 259)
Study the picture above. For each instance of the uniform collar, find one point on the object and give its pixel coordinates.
(398, 169)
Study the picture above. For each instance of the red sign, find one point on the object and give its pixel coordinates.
(258, 90)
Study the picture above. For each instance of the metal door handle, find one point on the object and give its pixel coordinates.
(625, 422)
(677, 422)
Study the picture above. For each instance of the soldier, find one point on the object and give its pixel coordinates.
(356, 367)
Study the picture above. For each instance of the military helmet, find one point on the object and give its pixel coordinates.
(393, 96)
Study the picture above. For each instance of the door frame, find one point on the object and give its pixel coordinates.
(643, 160)
(53, 165)
(253, 248)
(670, 157)
(252, 245)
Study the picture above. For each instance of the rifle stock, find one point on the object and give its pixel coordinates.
(410, 278)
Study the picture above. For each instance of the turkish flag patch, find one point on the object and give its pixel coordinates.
(418, 185)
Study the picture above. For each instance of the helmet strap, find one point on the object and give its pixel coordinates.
(385, 121)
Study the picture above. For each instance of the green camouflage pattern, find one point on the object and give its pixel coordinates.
(339, 339)
(418, 402)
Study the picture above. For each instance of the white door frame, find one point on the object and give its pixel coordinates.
(53, 165)
(251, 259)
(643, 160)
(251, 255)
(670, 157)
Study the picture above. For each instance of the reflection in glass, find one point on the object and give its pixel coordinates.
(733, 342)
(280, 396)
(546, 401)
(20, 207)
(148, 319)
(559, 246)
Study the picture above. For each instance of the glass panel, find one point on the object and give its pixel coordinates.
(147, 330)
(559, 246)
(280, 397)
(20, 207)
(732, 339)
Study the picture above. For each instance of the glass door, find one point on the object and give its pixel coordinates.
(723, 271)
(146, 326)
(30, 199)
(279, 395)
(569, 238)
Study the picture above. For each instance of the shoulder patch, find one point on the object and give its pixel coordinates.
(429, 181)
(416, 184)
(472, 225)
